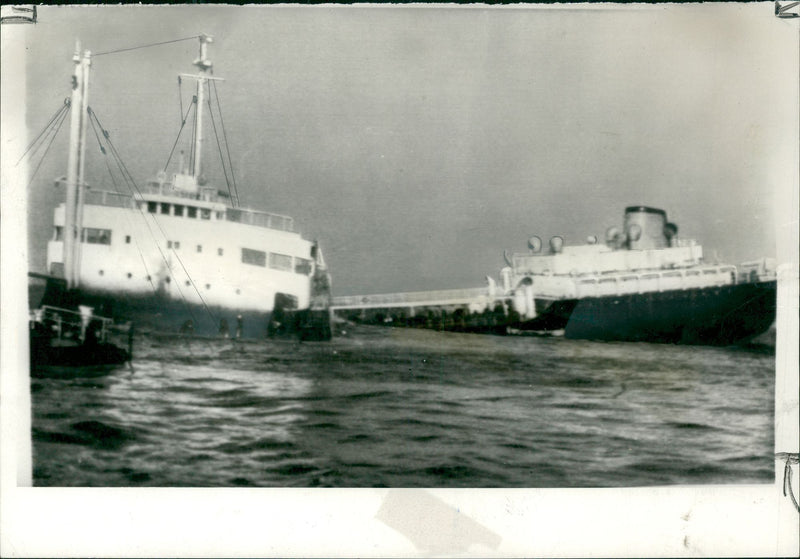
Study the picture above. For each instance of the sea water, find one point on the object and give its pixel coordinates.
(409, 408)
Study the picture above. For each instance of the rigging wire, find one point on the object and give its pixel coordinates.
(55, 129)
(145, 46)
(117, 189)
(219, 148)
(132, 183)
(148, 275)
(183, 123)
(62, 108)
(225, 137)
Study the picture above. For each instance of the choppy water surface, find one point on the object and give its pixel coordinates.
(410, 408)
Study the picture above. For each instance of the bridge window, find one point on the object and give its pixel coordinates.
(205, 213)
(58, 233)
(302, 266)
(97, 236)
(254, 257)
(164, 208)
(152, 207)
(280, 262)
(191, 212)
(177, 210)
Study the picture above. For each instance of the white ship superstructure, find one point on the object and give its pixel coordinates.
(196, 249)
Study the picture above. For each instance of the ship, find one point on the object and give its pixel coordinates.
(176, 254)
(643, 283)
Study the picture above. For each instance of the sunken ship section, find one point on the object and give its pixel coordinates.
(178, 255)
(643, 283)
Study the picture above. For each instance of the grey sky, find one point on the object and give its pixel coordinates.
(418, 143)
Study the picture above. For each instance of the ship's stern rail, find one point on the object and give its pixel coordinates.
(175, 204)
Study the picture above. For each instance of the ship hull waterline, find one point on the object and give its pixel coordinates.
(157, 313)
(720, 315)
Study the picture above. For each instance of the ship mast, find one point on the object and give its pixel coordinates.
(188, 180)
(73, 214)
(203, 65)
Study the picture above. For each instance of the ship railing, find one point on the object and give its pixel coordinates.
(413, 298)
(663, 280)
(203, 193)
(260, 219)
(237, 215)
(67, 324)
(107, 198)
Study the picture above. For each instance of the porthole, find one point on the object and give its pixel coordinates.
(130, 275)
(168, 280)
(238, 291)
(101, 272)
(188, 283)
(208, 286)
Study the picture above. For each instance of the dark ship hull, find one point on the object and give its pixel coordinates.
(722, 315)
(157, 313)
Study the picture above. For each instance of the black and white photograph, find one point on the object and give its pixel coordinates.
(450, 265)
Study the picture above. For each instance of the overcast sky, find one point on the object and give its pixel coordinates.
(418, 143)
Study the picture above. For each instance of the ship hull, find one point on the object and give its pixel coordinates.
(722, 315)
(159, 313)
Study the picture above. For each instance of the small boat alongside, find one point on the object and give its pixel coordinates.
(76, 343)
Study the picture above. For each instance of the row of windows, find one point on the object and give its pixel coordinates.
(198, 248)
(89, 235)
(177, 210)
(276, 261)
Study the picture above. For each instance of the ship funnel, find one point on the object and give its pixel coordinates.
(645, 228)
